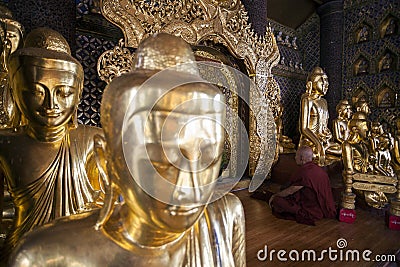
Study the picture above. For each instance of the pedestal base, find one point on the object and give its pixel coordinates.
(347, 215)
(394, 222)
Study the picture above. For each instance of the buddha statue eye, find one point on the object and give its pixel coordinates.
(38, 90)
(65, 91)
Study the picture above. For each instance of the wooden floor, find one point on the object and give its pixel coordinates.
(263, 229)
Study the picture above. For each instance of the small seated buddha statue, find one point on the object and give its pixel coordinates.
(341, 129)
(313, 122)
(11, 35)
(162, 152)
(381, 143)
(48, 163)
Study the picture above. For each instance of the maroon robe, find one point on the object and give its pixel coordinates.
(312, 202)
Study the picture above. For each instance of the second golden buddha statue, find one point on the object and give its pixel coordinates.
(11, 34)
(313, 122)
(48, 163)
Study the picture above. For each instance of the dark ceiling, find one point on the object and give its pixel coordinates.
(291, 13)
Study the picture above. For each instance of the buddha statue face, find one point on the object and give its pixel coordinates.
(318, 81)
(46, 80)
(13, 36)
(361, 126)
(13, 30)
(344, 109)
(164, 145)
(177, 160)
(47, 97)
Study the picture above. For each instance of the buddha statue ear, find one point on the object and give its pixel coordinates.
(309, 87)
(105, 182)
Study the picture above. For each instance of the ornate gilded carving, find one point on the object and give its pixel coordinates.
(113, 63)
(385, 98)
(361, 66)
(389, 26)
(363, 34)
(387, 62)
(224, 22)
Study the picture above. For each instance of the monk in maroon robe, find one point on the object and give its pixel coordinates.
(309, 197)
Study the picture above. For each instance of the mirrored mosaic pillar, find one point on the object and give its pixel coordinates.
(331, 50)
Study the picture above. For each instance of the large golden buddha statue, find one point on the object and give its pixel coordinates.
(11, 35)
(46, 162)
(313, 122)
(163, 146)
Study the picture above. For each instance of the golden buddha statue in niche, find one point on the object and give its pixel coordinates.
(313, 122)
(341, 129)
(11, 34)
(164, 158)
(362, 106)
(48, 163)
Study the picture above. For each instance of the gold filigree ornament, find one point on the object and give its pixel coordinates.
(221, 22)
(113, 63)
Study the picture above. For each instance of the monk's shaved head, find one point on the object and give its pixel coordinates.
(304, 154)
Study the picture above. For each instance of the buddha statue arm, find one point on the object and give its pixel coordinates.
(396, 153)
(337, 131)
(306, 106)
(238, 240)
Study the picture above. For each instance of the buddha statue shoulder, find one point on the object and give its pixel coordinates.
(313, 121)
(49, 162)
(162, 151)
(11, 35)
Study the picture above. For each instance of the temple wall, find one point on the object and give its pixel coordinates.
(372, 14)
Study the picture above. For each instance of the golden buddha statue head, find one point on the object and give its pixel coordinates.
(317, 82)
(343, 109)
(155, 56)
(359, 125)
(164, 142)
(12, 31)
(46, 80)
(363, 107)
